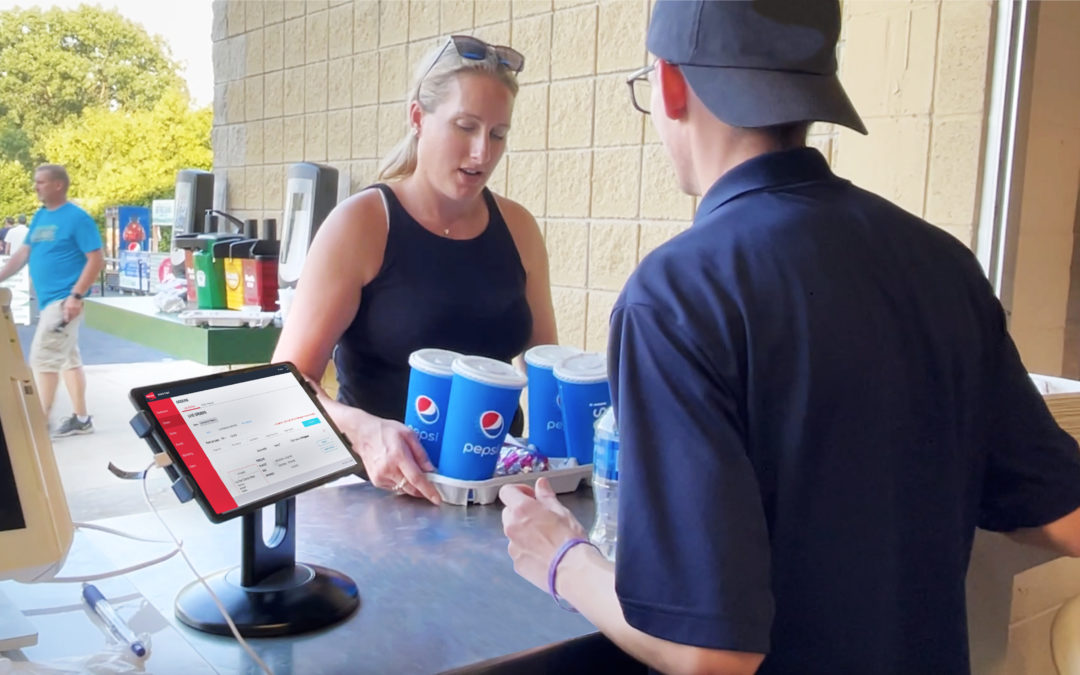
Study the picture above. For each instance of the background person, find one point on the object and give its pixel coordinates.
(432, 258)
(16, 235)
(9, 223)
(63, 247)
(817, 396)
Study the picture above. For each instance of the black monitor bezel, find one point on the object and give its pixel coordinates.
(139, 400)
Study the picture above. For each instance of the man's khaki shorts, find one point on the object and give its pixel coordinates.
(54, 348)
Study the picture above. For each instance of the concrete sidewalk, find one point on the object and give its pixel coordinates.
(93, 492)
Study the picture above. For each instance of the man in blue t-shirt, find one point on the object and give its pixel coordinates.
(64, 250)
(817, 396)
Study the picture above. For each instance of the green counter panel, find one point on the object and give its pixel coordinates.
(136, 319)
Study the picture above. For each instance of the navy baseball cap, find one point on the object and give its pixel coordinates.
(757, 63)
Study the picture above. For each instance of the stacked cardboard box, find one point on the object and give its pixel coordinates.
(1063, 398)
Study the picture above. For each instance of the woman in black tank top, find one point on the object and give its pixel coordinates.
(428, 258)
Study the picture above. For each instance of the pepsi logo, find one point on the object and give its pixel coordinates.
(426, 409)
(492, 425)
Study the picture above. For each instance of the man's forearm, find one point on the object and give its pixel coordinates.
(14, 263)
(587, 581)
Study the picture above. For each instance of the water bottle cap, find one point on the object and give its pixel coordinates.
(546, 356)
(489, 371)
(583, 368)
(433, 361)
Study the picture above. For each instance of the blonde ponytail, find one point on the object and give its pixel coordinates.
(400, 162)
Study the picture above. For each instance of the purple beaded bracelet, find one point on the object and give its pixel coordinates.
(554, 566)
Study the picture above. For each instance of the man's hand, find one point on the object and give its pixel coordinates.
(537, 525)
(71, 308)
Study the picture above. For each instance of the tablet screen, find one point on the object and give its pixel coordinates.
(247, 438)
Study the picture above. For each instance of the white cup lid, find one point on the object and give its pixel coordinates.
(489, 371)
(546, 356)
(433, 361)
(583, 368)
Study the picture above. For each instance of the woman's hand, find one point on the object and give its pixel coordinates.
(391, 453)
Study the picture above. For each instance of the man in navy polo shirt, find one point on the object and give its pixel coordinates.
(817, 395)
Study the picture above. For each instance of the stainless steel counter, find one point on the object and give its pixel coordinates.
(437, 588)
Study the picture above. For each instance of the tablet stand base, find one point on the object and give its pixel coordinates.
(270, 593)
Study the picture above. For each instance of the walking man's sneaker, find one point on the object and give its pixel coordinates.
(73, 426)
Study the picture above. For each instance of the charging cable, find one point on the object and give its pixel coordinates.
(221, 608)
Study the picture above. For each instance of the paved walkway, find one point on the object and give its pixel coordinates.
(113, 367)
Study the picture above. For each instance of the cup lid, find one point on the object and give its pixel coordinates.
(489, 371)
(546, 356)
(583, 368)
(433, 361)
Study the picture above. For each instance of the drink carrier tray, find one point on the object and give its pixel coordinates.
(465, 492)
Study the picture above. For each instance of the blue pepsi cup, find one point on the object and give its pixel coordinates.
(429, 394)
(584, 395)
(484, 396)
(545, 416)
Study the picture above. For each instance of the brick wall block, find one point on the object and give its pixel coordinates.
(253, 45)
(234, 190)
(953, 186)
(273, 11)
(530, 122)
(391, 129)
(339, 134)
(365, 79)
(273, 94)
(234, 102)
(598, 318)
(274, 191)
(315, 91)
(612, 253)
(494, 33)
(294, 42)
(274, 47)
(491, 11)
(253, 16)
(361, 174)
(365, 132)
(254, 106)
(532, 37)
(234, 20)
(219, 143)
(526, 180)
(219, 27)
(570, 121)
(568, 252)
(293, 99)
(253, 187)
(340, 38)
(616, 121)
(393, 23)
(339, 83)
(570, 310)
(316, 45)
(273, 141)
(315, 137)
(522, 8)
(569, 174)
(365, 25)
(293, 135)
(455, 16)
(616, 182)
(962, 66)
(423, 19)
(254, 143)
(393, 78)
(294, 8)
(573, 42)
(622, 25)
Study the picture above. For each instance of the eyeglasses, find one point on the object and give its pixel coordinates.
(475, 49)
(641, 88)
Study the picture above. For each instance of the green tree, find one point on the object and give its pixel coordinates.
(16, 190)
(131, 156)
(55, 64)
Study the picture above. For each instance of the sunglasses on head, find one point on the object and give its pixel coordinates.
(476, 49)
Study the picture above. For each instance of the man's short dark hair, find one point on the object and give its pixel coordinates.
(9, 221)
(56, 172)
(22, 218)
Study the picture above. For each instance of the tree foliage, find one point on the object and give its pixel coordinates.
(131, 157)
(91, 90)
(56, 63)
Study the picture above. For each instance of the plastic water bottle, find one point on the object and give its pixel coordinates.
(605, 483)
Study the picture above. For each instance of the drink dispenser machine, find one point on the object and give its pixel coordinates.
(310, 195)
(194, 195)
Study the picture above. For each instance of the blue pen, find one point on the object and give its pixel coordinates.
(108, 615)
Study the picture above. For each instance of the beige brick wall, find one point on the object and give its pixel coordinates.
(324, 82)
